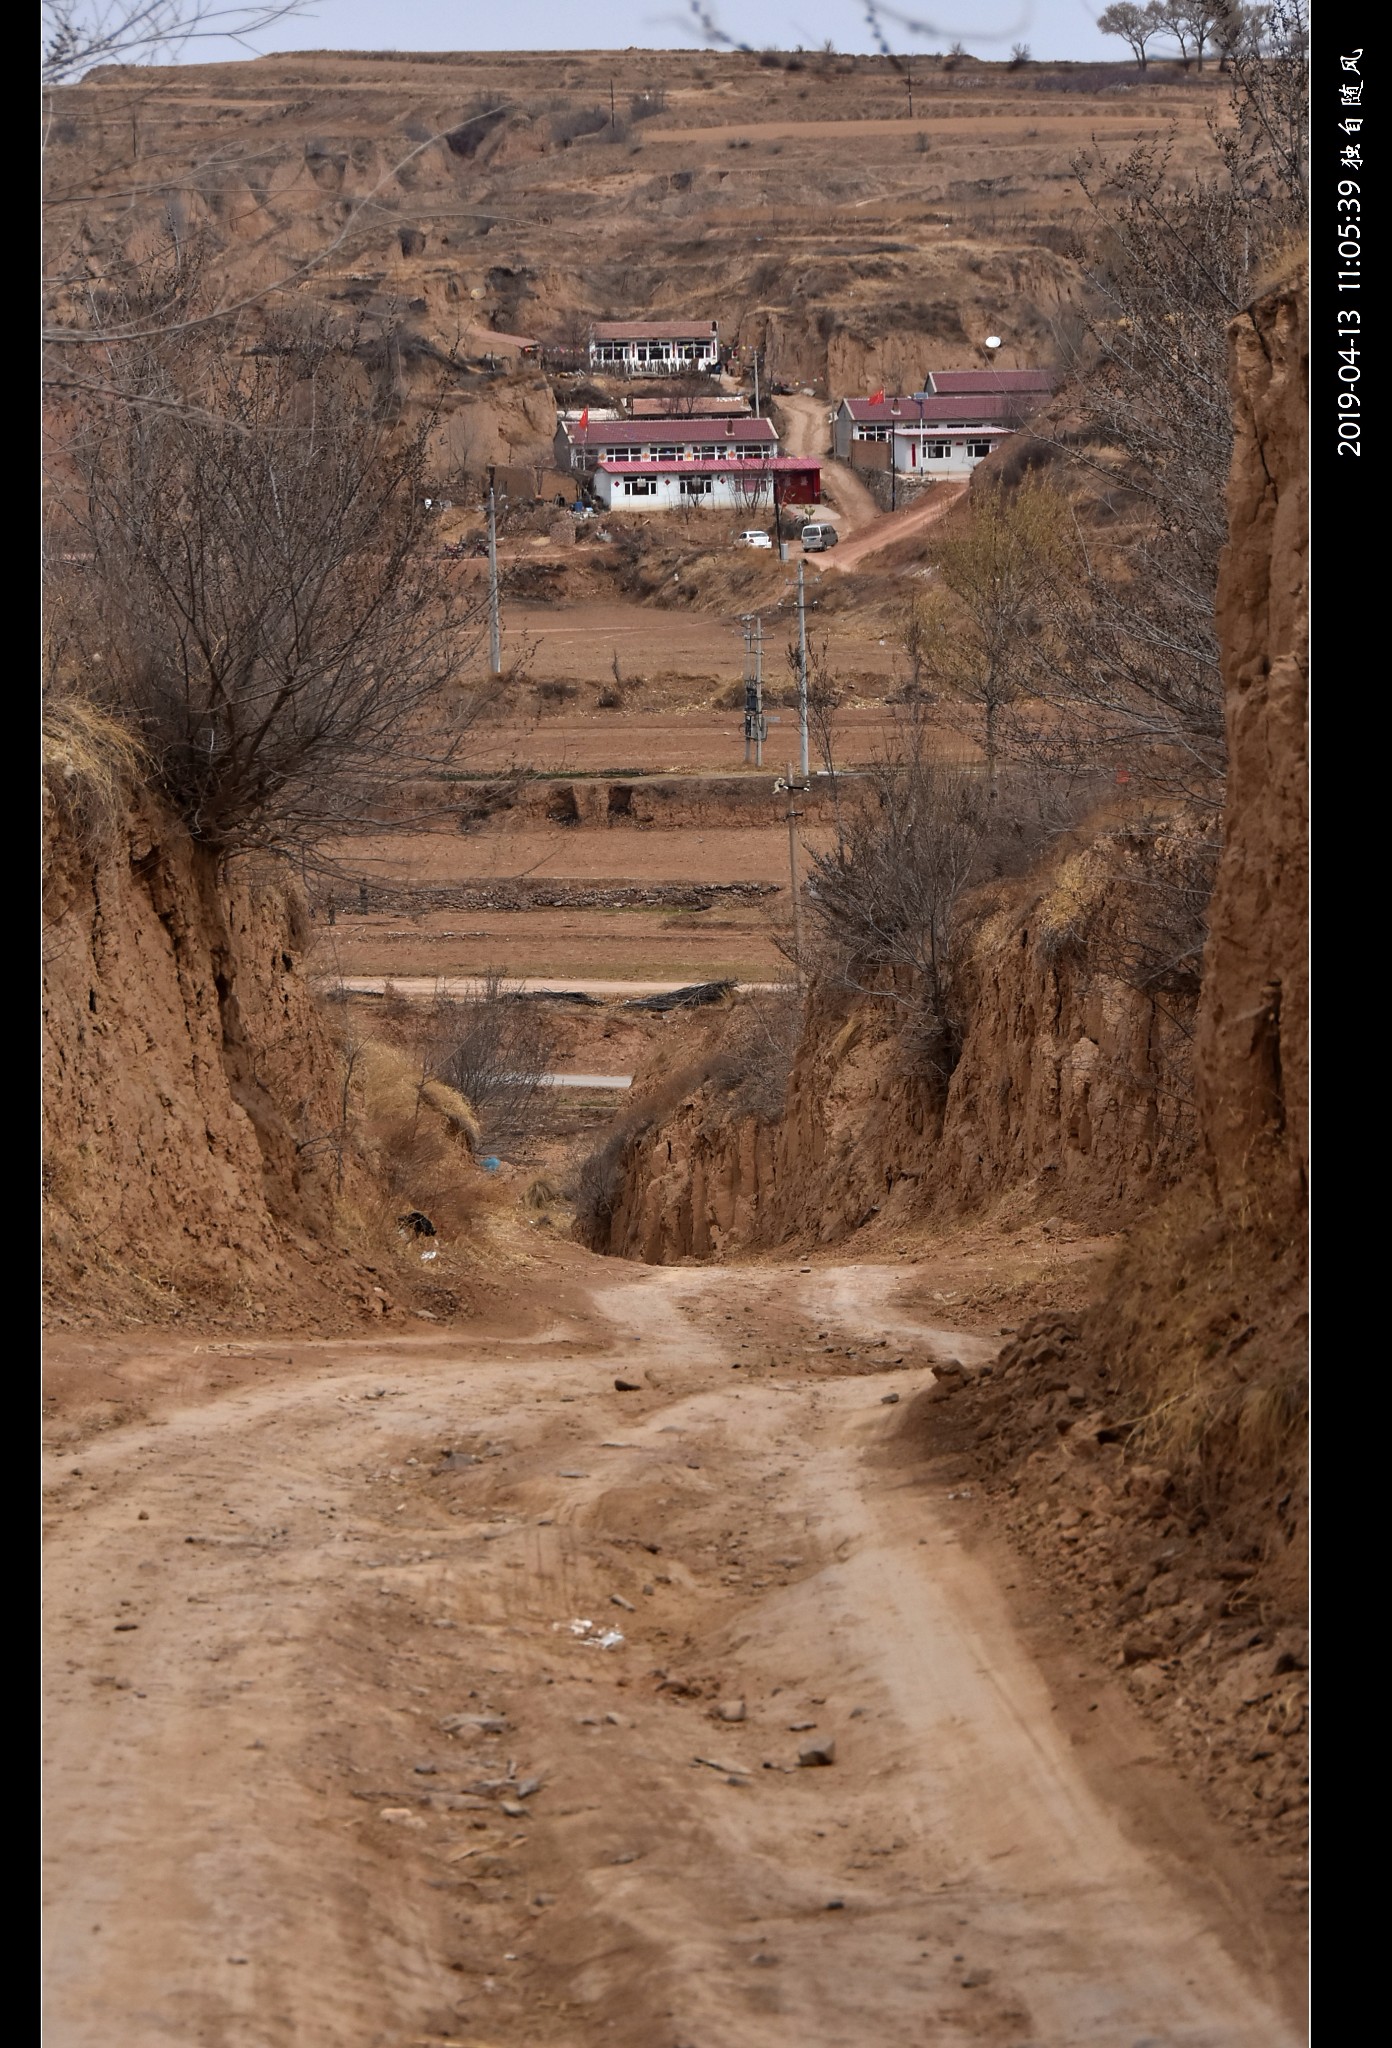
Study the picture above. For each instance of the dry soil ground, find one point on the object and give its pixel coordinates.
(394, 1702)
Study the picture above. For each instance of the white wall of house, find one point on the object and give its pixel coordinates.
(943, 454)
(654, 358)
(619, 493)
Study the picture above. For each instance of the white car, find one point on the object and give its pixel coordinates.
(753, 537)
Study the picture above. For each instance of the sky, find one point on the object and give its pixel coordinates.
(987, 28)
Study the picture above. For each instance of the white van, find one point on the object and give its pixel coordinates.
(815, 538)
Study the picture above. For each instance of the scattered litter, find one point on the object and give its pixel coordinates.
(965, 1494)
(429, 1255)
(401, 1816)
(491, 1164)
(617, 1600)
(589, 1632)
(483, 1724)
(725, 1770)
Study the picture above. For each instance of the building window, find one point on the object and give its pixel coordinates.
(976, 449)
(665, 454)
(640, 486)
(870, 433)
(697, 486)
(937, 451)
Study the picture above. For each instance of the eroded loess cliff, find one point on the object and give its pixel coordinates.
(190, 1085)
(1072, 1091)
(1206, 1312)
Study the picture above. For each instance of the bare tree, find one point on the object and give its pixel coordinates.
(1129, 663)
(1266, 146)
(259, 600)
(885, 895)
(1137, 26)
(496, 1050)
(1174, 21)
(994, 573)
(1199, 22)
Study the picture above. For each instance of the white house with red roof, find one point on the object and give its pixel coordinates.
(944, 431)
(724, 483)
(654, 348)
(580, 445)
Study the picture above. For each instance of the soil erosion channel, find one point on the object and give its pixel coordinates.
(432, 1689)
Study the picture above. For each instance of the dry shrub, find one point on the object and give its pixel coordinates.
(91, 765)
(417, 1136)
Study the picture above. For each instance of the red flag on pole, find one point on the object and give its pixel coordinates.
(585, 418)
(877, 397)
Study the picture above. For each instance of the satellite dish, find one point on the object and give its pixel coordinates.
(993, 341)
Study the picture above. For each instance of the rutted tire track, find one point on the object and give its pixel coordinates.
(261, 1832)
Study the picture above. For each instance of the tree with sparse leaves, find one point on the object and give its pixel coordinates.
(249, 583)
(1137, 26)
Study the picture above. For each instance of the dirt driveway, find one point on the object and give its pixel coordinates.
(430, 1690)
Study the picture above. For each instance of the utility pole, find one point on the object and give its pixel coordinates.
(908, 74)
(756, 383)
(794, 788)
(750, 708)
(802, 674)
(495, 635)
(611, 104)
(755, 727)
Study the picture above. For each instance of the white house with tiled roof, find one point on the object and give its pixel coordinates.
(581, 444)
(654, 348)
(944, 431)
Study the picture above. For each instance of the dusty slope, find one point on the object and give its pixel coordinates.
(846, 240)
(184, 1064)
(326, 1762)
(1070, 1097)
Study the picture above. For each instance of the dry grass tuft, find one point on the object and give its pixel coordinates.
(91, 766)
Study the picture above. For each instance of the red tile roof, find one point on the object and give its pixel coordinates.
(653, 330)
(957, 383)
(617, 433)
(908, 412)
(782, 463)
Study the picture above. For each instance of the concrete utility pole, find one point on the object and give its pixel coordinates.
(756, 383)
(794, 814)
(495, 631)
(802, 674)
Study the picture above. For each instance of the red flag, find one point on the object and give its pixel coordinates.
(877, 397)
(584, 419)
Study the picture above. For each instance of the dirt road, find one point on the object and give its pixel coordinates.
(385, 1679)
(889, 527)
